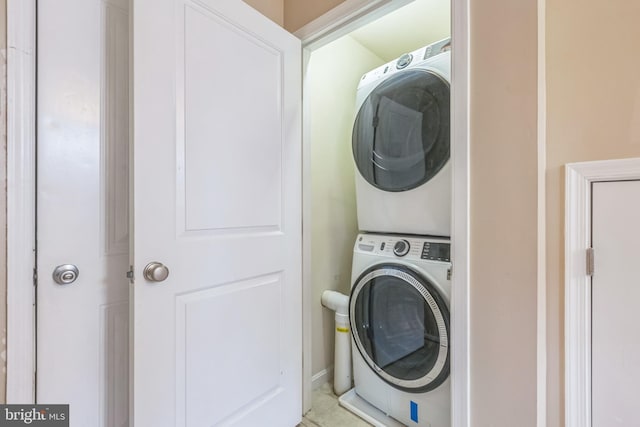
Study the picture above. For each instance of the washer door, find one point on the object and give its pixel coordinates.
(400, 324)
(401, 136)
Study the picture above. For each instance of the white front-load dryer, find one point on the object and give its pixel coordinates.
(399, 319)
(401, 144)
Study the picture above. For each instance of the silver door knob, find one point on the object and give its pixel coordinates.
(155, 272)
(65, 274)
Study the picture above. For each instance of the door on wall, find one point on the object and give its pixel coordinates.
(217, 207)
(615, 300)
(83, 146)
(215, 204)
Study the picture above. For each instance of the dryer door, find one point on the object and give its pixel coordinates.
(400, 324)
(401, 133)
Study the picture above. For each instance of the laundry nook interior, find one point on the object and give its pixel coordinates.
(378, 200)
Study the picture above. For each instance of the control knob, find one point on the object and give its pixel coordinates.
(401, 248)
(404, 61)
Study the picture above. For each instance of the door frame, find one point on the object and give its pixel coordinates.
(21, 200)
(21, 190)
(339, 21)
(579, 178)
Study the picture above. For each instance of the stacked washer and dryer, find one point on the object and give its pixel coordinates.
(399, 303)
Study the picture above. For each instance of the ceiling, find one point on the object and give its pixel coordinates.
(417, 24)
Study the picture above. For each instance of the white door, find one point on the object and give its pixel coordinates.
(82, 327)
(615, 304)
(217, 183)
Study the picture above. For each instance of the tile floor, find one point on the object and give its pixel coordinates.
(326, 412)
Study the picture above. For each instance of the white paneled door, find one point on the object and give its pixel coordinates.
(217, 202)
(615, 304)
(209, 94)
(83, 208)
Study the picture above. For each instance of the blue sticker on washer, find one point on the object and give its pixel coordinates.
(414, 411)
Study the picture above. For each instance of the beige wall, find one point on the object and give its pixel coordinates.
(593, 113)
(503, 212)
(272, 9)
(334, 227)
(297, 13)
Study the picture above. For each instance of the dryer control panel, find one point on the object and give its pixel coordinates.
(406, 60)
(406, 247)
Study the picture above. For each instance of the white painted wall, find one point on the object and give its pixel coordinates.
(333, 75)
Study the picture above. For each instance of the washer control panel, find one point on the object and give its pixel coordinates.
(408, 247)
(435, 251)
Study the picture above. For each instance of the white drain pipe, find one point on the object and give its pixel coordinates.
(342, 357)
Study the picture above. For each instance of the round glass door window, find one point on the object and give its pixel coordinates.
(400, 324)
(401, 135)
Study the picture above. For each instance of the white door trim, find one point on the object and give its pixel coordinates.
(335, 23)
(343, 19)
(21, 148)
(460, 307)
(577, 331)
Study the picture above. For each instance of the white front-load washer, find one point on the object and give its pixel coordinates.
(399, 319)
(401, 144)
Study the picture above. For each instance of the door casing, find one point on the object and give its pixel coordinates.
(21, 196)
(578, 180)
(21, 144)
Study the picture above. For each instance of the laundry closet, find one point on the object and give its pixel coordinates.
(332, 77)
(87, 287)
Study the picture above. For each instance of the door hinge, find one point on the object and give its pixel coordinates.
(449, 273)
(590, 262)
(130, 274)
(35, 277)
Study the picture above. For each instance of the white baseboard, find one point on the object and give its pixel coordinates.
(322, 377)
